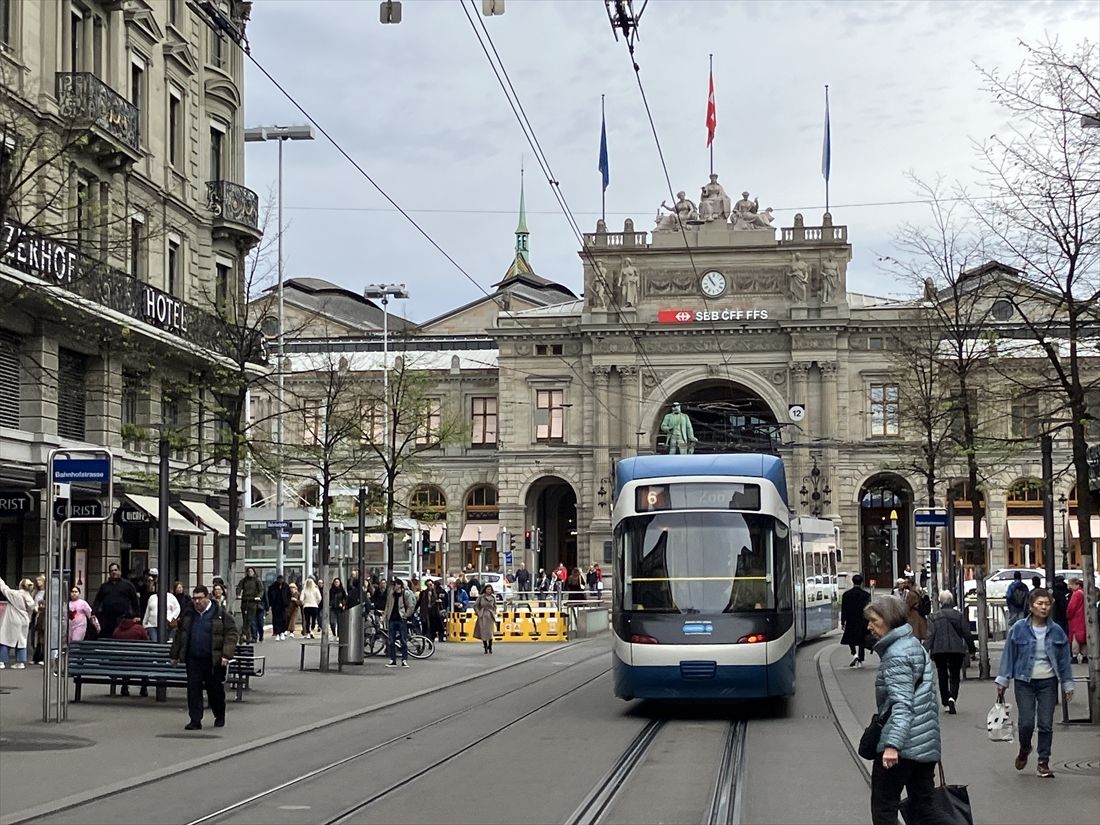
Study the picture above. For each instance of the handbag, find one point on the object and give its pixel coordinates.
(951, 801)
(868, 742)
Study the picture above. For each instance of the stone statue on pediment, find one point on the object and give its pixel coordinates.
(683, 212)
(830, 279)
(714, 203)
(598, 289)
(799, 282)
(747, 215)
(628, 283)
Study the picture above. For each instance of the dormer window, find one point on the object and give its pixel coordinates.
(1002, 309)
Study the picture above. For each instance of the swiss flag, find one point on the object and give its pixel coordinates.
(712, 113)
(675, 316)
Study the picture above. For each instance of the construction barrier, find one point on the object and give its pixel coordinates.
(515, 622)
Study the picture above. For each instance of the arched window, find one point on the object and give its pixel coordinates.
(428, 504)
(481, 504)
(1026, 493)
(310, 495)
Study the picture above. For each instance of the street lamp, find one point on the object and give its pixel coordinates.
(894, 543)
(1065, 547)
(256, 134)
(383, 293)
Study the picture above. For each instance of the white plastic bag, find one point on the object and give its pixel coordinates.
(999, 723)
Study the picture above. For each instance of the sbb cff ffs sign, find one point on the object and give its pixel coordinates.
(688, 316)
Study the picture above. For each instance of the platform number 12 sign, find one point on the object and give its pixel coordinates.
(796, 412)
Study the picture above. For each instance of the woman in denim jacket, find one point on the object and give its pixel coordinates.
(1036, 658)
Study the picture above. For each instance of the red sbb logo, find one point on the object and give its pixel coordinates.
(675, 316)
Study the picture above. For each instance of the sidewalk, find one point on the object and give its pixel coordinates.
(117, 740)
(998, 792)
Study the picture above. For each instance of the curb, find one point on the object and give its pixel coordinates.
(57, 805)
(848, 726)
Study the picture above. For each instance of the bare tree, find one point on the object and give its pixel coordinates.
(1043, 172)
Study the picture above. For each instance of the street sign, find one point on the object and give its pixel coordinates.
(277, 525)
(796, 412)
(507, 558)
(81, 470)
(284, 536)
(930, 519)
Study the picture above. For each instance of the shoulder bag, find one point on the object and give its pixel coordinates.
(952, 803)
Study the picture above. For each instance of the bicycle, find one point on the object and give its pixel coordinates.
(377, 639)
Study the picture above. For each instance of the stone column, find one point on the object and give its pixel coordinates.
(601, 375)
(630, 396)
(829, 418)
(105, 401)
(38, 394)
(800, 371)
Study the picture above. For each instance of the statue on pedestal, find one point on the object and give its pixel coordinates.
(799, 283)
(628, 283)
(598, 287)
(682, 213)
(714, 203)
(830, 279)
(681, 435)
(747, 214)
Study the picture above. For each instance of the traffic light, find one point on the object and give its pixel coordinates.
(884, 536)
(542, 541)
(425, 541)
(527, 540)
(511, 543)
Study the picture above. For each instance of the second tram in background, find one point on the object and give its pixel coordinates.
(715, 584)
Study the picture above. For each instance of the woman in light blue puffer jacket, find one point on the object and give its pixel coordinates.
(905, 695)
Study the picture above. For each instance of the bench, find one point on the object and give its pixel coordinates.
(114, 662)
(317, 643)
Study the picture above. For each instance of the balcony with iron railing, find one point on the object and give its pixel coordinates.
(236, 211)
(112, 121)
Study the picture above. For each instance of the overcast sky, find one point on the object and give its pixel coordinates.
(417, 105)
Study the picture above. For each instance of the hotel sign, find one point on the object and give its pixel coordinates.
(690, 316)
(42, 257)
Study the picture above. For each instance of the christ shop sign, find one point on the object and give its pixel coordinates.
(689, 316)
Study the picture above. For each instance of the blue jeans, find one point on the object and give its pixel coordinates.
(1035, 701)
(151, 632)
(398, 630)
(20, 653)
(258, 624)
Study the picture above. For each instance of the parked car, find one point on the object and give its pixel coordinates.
(501, 587)
(1079, 574)
(996, 584)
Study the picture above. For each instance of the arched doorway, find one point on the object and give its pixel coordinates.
(878, 496)
(726, 417)
(552, 513)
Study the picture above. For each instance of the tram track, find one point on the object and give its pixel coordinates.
(725, 803)
(68, 808)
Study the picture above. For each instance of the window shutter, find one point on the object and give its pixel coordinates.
(71, 394)
(10, 380)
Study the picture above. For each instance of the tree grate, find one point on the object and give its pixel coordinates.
(16, 741)
(1084, 767)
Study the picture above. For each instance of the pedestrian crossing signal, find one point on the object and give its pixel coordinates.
(426, 541)
(527, 540)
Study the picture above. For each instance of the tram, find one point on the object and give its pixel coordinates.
(714, 583)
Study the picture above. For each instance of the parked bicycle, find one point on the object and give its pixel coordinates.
(376, 638)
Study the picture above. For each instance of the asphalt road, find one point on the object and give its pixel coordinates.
(523, 746)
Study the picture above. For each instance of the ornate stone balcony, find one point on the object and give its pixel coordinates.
(85, 101)
(236, 211)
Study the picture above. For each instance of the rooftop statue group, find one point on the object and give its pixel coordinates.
(714, 205)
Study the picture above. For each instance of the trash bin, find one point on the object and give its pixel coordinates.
(351, 636)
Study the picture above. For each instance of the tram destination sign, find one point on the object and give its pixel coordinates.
(690, 315)
(697, 496)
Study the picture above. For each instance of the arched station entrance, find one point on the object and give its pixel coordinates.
(552, 512)
(726, 417)
(878, 496)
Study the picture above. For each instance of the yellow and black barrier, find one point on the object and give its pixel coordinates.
(515, 622)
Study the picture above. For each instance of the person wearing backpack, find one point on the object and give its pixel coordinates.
(949, 640)
(1016, 599)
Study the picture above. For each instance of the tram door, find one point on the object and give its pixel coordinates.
(799, 587)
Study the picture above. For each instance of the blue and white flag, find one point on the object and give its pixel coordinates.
(605, 170)
(826, 146)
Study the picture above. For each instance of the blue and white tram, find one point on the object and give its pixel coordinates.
(705, 604)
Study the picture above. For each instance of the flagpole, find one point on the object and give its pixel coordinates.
(603, 189)
(829, 137)
(710, 58)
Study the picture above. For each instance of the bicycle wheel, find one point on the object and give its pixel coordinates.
(421, 647)
(376, 644)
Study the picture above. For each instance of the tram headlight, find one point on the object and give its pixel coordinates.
(641, 639)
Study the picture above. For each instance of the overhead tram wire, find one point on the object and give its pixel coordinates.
(572, 367)
(544, 164)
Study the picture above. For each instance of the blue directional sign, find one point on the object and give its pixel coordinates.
(81, 470)
(930, 519)
(507, 558)
(278, 525)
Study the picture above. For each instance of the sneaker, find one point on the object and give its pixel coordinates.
(1021, 759)
(1043, 770)
(19, 666)
(219, 722)
(392, 664)
(193, 726)
(859, 665)
(2, 665)
(854, 663)
(404, 663)
(951, 707)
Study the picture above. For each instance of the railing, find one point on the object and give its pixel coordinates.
(233, 202)
(615, 239)
(83, 96)
(817, 234)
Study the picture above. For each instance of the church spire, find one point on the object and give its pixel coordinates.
(521, 228)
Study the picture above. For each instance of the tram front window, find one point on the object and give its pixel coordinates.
(702, 562)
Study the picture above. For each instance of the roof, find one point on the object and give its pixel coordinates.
(344, 306)
(565, 308)
(759, 465)
(374, 361)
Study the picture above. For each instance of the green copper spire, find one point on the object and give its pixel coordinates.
(521, 229)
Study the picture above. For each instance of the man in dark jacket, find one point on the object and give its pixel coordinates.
(249, 591)
(278, 600)
(1060, 594)
(852, 603)
(949, 641)
(355, 589)
(206, 641)
(116, 598)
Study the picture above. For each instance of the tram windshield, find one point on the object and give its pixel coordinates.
(704, 562)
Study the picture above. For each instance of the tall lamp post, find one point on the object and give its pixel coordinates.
(256, 134)
(1065, 545)
(383, 293)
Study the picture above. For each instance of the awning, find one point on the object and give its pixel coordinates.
(1075, 528)
(369, 538)
(209, 518)
(964, 528)
(488, 531)
(176, 522)
(1025, 528)
(435, 532)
